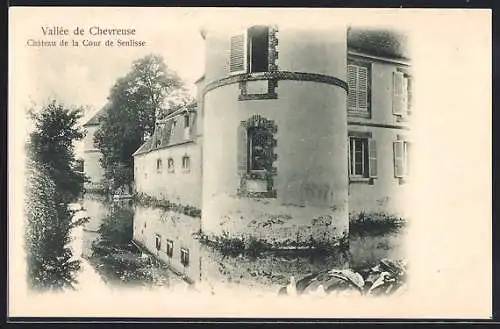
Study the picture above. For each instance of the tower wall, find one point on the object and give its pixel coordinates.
(303, 101)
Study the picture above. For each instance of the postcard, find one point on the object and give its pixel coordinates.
(249, 163)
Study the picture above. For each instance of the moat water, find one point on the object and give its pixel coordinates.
(110, 260)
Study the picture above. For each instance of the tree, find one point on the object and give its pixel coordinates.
(53, 183)
(51, 144)
(148, 92)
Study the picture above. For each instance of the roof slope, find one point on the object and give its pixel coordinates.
(170, 132)
(94, 120)
(378, 42)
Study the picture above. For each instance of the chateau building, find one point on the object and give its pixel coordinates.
(294, 130)
(296, 127)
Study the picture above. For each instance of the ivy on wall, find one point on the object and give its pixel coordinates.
(147, 200)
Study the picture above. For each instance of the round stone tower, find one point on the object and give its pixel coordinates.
(275, 135)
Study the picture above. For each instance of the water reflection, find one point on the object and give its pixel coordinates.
(129, 245)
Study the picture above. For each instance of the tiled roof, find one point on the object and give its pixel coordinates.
(94, 120)
(378, 42)
(170, 132)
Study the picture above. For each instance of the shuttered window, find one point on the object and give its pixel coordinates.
(170, 248)
(372, 155)
(402, 96)
(237, 62)
(249, 51)
(358, 157)
(258, 49)
(362, 157)
(184, 256)
(357, 81)
(401, 158)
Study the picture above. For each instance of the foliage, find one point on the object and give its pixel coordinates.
(117, 227)
(117, 259)
(147, 200)
(53, 182)
(148, 92)
(374, 223)
(51, 144)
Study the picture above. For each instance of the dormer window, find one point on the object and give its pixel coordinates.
(186, 126)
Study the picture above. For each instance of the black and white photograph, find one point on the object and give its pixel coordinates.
(209, 162)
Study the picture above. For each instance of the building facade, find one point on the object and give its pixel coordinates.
(294, 130)
(91, 155)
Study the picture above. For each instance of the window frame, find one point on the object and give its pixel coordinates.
(408, 77)
(249, 49)
(250, 136)
(159, 165)
(188, 168)
(357, 112)
(170, 168)
(169, 248)
(365, 163)
(157, 241)
(184, 255)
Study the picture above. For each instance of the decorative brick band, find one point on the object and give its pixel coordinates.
(278, 75)
(273, 49)
(270, 94)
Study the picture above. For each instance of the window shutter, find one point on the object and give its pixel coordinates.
(397, 99)
(372, 155)
(404, 96)
(242, 150)
(362, 88)
(398, 159)
(237, 54)
(407, 150)
(349, 156)
(352, 82)
(409, 92)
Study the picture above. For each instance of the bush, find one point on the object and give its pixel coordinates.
(147, 200)
(374, 223)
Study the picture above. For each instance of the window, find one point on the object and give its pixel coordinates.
(184, 256)
(170, 248)
(402, 95)
(258, 49)
(159, 165)
(401, 158)
(158, 242)
(186, 163)
(249, 51)
(186, 126)
(260, 142)
(159, 134)
(256, 156)
(362, 157)
(358, 152)
(358, 81)
(170, 165)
